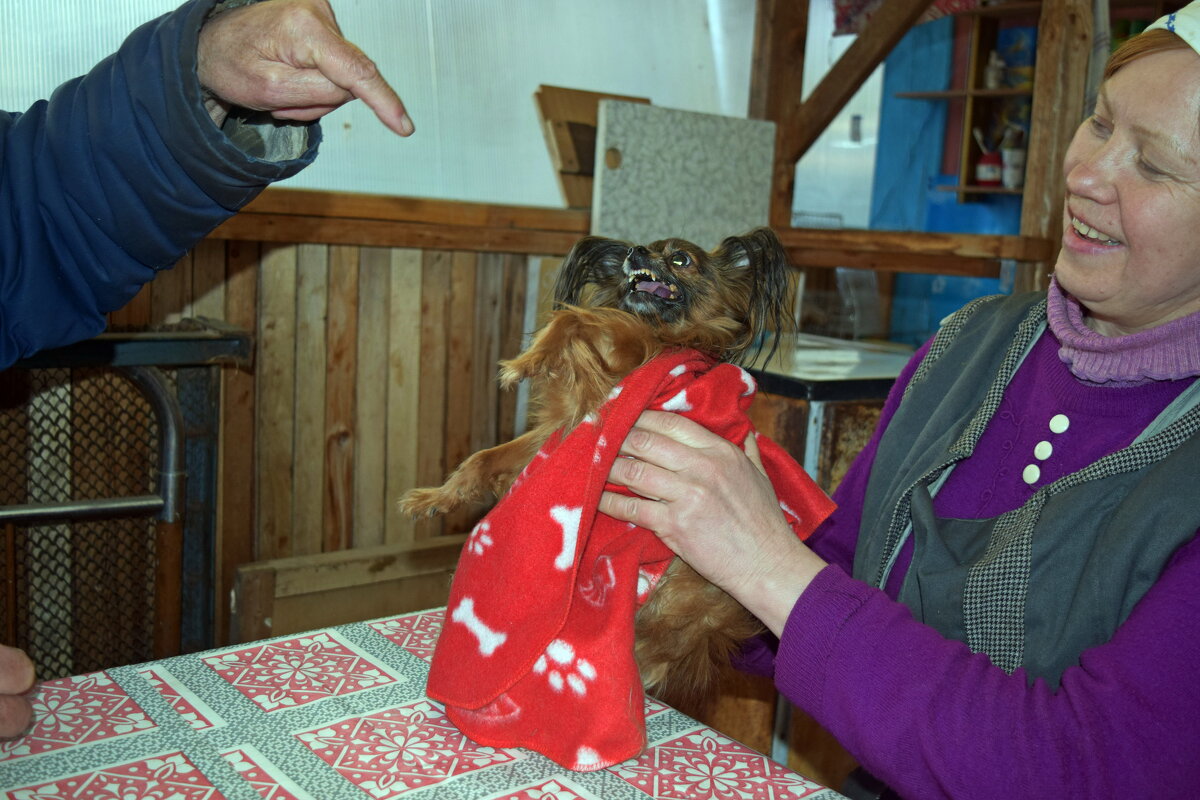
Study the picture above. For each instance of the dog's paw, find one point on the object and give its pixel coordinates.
(530, 364)
(427, 502)
(551, 350)
(510, 374)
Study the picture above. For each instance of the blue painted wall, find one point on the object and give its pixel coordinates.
(907, 174)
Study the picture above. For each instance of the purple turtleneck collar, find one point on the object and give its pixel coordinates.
(1168, 352)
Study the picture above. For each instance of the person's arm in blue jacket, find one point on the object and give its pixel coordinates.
(126, 168)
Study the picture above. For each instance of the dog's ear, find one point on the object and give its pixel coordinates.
(593, 259)
(759, 248)
(759, 256)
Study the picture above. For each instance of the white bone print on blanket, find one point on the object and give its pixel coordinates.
(561, 668)
(488, 639)
(568, 520)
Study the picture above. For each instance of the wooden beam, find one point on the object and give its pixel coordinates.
(345, 205)
(1064, 44)
(367, 220)
(801, 124)
(973, 255)
(964, 245)
(258, 227)
(960, 266)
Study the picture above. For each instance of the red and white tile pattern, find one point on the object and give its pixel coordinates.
(416, 633)
(77, 710)
(705, 764)
(304, 669)
(391, 752)
(167, 776)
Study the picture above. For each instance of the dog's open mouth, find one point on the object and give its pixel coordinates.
(644, 280)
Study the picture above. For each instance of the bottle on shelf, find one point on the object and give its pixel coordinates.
(993, 72)
(989, 167)
(1012, 158)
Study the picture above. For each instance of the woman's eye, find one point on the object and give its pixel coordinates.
(1149, 169)
(1098, 126)
(680, 259)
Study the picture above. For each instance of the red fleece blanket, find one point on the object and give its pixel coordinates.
(537, 648)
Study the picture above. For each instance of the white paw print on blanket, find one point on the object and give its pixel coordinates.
(480, 539)
(563, 669)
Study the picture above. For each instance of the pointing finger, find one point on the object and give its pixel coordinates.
(348, 67)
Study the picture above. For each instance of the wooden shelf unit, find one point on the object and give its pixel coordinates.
(982, 105)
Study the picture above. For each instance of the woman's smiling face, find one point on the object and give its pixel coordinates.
(1131, 238)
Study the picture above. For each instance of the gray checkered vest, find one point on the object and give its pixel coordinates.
(1036, 586)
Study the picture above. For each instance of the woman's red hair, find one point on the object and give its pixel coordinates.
(1144, 44)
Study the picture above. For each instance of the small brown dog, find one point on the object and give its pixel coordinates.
(619, 306)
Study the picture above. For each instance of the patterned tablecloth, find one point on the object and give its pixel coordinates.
(338, 713)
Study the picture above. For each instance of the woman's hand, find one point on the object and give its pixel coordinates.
(289, 57)
(714, 506)
(16, 678)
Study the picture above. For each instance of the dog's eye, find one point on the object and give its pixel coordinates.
(681, 259)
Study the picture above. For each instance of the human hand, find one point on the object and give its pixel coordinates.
(289, 57)
(16, 678)
(714, 506)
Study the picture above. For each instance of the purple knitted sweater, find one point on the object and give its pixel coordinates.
(933, 719)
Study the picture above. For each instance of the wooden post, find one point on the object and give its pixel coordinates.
(1064, 44)
(779, 41)
(777, 89)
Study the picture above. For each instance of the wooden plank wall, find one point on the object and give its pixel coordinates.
(374, 368)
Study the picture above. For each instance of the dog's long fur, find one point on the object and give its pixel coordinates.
(618, 306)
